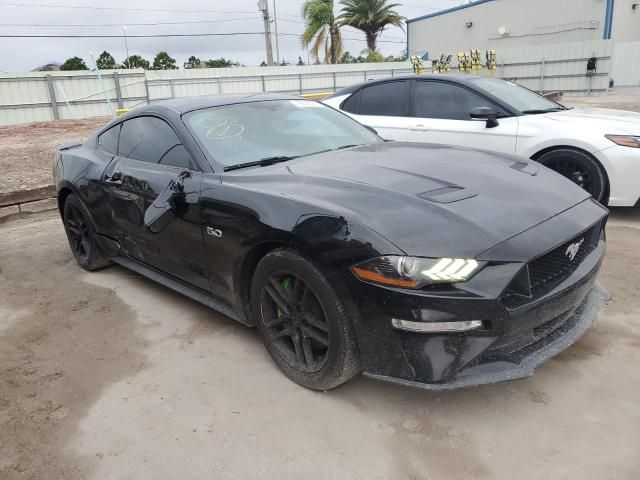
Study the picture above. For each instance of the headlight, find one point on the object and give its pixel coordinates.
(415, 272)
(632, 141)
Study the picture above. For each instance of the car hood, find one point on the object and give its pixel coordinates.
(428, 200)
(607, 119)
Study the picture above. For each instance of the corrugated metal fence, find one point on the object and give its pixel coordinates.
(42, 96)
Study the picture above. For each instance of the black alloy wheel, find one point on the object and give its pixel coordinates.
(303, 321)
(78, 234)
(295, 322)
(81, 235)
(578, 167)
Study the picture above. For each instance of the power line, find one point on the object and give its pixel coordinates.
(87, 7)
(167, 35)
(119, 25)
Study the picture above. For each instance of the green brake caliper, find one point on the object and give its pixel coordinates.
(287, 284)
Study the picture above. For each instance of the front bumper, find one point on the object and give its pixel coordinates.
(500, 369)
(515, 336)
(622, 165)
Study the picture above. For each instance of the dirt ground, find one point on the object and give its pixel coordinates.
(621, 98)
(27, 151)
(106, 375)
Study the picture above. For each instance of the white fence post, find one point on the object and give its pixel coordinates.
(52, 97)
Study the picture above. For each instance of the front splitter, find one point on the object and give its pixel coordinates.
(586, 312)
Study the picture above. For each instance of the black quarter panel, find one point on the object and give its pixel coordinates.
(79, 170)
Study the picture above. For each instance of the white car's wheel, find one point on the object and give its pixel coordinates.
(580, 168)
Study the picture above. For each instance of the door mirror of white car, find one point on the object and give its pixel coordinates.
(486, 114)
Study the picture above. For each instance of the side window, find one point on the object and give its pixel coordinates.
(108, 140)
(176, 157)
(447, 101)
(389, 98)
(352, 104)
(152, 140)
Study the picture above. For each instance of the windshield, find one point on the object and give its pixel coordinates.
(250, 132)
(519, 97)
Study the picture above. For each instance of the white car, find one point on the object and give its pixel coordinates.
(598, 149)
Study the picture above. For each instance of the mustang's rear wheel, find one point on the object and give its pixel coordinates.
(303, 322)
(81, 235)
(578, 167)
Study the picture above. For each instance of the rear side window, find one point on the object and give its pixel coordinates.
(389, 98)
(447, 101)
(352, 104)
(108, 140)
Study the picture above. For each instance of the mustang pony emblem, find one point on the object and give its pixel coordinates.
(572, 250)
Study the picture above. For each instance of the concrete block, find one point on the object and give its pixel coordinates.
(39, 206)
(11, 210)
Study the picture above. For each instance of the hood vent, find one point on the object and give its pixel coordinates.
(447, 194)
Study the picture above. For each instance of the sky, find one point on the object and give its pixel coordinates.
(46, 17)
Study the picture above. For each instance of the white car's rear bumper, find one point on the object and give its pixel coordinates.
(623, 169)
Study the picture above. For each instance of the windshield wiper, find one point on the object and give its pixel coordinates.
(263, 162)
(547, 110)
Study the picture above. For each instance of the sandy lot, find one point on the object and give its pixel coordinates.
(27, 151)
(109, 376)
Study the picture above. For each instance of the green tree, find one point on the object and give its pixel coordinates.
(106, 61)
(372, 56)
(348, 58)
(402, 57)
(135, 61)
(74, 63)
(322, 30)
(221, 63)
(263, 64)
(370, 16)
(164, 61)
(193, 62)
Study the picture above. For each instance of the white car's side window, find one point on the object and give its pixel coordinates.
(387, 99)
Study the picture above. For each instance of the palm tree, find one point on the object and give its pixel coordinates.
(370, 16)
(322, 31)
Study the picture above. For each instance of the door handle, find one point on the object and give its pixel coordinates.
(418, 127)
(115, 177)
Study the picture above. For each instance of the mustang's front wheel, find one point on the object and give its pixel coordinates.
(303, 322)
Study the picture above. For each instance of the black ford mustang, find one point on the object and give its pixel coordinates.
(425, 265)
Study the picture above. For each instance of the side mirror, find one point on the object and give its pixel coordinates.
(486, 114)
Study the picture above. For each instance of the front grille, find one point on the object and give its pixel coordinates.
(543, 274)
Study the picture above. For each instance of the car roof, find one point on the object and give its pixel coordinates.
(452, 77)
(188, 104)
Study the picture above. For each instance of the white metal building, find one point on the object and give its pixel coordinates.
(511, 24)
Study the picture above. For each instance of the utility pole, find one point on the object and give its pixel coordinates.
(126, 46)
(275, 24)
(263, 6)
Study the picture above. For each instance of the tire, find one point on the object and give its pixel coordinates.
(303, 322)
(81, 235)
(580, 168)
